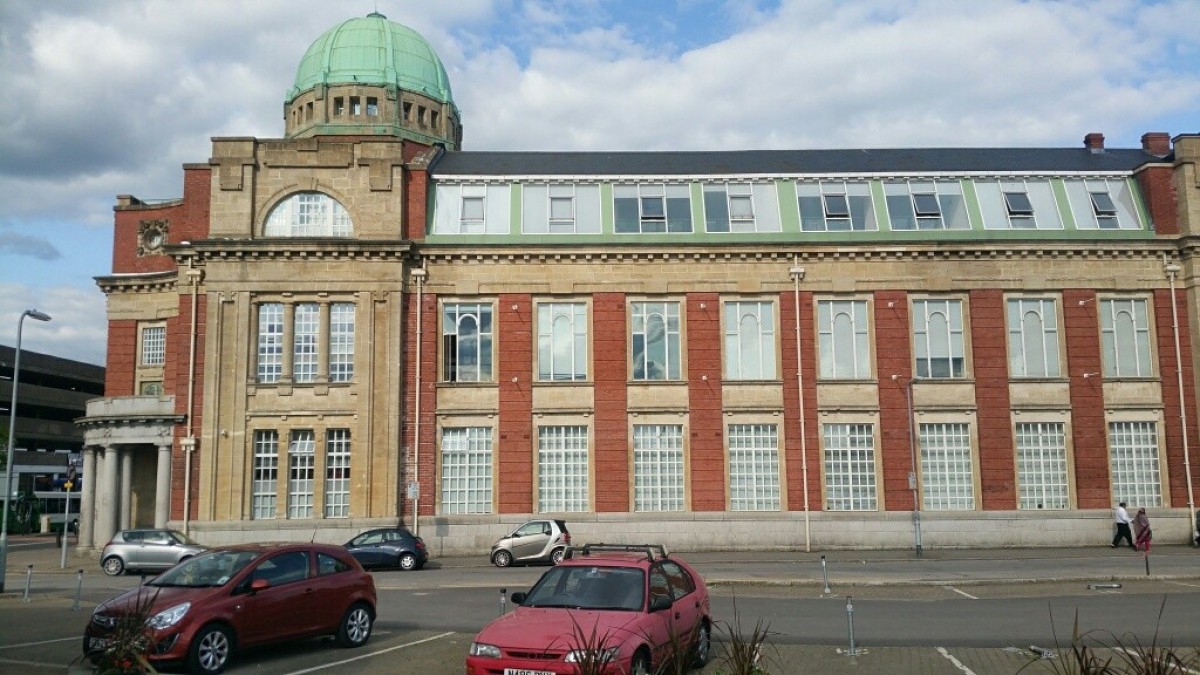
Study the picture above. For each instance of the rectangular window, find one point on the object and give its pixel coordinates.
(652, 208)
(561, 208)
(562, 342)
(154, 345)
(753, 467)
(836, 206)
(337, 473)
(265, 487)
(466, 470)
(407, 108)
(844, 340)
(472, 212)
(926, 205)
(339, 105)
(850, 467)
(1019, 208)
(1042, 466)
(750, 341)
(657, 467)
(938, 338)
(1033, 337)
(655, 340)
(151, 388)
(305, 333)
(355, 105)
(1133, 463)
(562, 469)
(946, 468)
(1104, 209)
(302, 456)
(341, 342)
(270, 342)
(1125, 338)
(372, 106)
(729, 208)
(467, 342)
(1104, 204)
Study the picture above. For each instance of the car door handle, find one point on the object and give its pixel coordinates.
(676, 615)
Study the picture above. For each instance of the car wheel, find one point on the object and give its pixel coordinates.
(703, 645)
(557, 556)
(502, 559)
(640, 663)
(113, 566)
(210, 650)
(356, 626)
(407, 562)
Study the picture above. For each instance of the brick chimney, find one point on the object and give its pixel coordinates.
(1156, 143)
(1094, 142)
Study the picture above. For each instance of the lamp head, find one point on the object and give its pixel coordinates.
(34, 314)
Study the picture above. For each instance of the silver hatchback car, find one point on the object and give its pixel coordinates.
(534, 541)
(146, 550)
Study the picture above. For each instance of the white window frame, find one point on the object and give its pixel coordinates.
(912, 196)
(649, 219)
(453, 315)
(341, 341)
(302, 463)
(1043, 478)
(563, 463)
(562, 341)
(1126, 347)
(850, 467)
(153, 345)
(754, 476)
(947, 466)
(1135, 465)
(645, 315)
(264, 487)
(856, 195)
(658, 468)
(270, 342)
(467, 481)
(750, 340)
(939, 348)
(309, 214)
(843, 327)
(306, 332)
(1033, 340)
(337, 473)
(1126, 214)
(472, 210)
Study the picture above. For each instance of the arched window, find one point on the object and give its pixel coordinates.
(308, 214)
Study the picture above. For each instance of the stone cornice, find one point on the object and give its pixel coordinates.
(291, 250)
(149, 282)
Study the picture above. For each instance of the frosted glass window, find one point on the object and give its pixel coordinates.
(1103, 204)
(750, 341)
(844, 341)
(938, 338)
(926, 205)
(850, 468)
(154, 345)
(562, 469)
(946, 470)
(753, 467)
(1133, 463)
(466, 470)
(1018, 204)
(1125, 338)
(657, 467)
(655, 340)
(1033, 338)
(1042, 466)
(562, 342)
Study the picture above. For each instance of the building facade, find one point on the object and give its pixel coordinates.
(361, 323)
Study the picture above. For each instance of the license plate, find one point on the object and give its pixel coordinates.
(97, 643)
(522, 671)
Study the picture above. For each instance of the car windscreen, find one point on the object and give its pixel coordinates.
(215, 568)
(589, 587)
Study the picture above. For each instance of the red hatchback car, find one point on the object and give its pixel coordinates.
(201, 611)
(626, 607)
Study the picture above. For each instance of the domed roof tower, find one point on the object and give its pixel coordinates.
(372, 77)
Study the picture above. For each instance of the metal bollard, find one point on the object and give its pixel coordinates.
(28, 581)
(1093, 587)
(850, 618)
(503, 591)
(78, 590)
(824, 574)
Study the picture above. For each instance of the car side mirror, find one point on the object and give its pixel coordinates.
(259, 585)
(659, 603)
(517, 598)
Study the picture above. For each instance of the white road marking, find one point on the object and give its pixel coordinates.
(1180, 583)
(1138, 657)
(964, 593)
(957, 664)
(40, 642)
(371, 655)
(32, 664)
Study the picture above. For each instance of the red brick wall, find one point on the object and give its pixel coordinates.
(175, 382)
(416, 200)
(122, 358)
(996, 462)
(1167, 367)
(791, 403)
(707, 463)
(514, 480)
(894, 357)
(612, 400)
(426, 330)
(197, 193)
(1087, 399)
(1158, 189)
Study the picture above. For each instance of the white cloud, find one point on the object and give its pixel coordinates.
(78, 327)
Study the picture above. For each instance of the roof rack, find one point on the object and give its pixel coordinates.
(649, 549)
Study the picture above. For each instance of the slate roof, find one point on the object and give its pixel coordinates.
(791, 162)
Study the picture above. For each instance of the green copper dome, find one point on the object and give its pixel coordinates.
(373, 51)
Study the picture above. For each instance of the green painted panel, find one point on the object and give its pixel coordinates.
(697, 192)
(1139, 205)
(882, 219)
(516, 217)
(789, 205)
(606, 209)
(1064, 203)
(974, 213)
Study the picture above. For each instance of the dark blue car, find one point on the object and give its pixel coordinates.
(389, 547)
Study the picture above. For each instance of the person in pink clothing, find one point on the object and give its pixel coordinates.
(1142, 533)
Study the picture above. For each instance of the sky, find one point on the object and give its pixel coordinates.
(112, 97)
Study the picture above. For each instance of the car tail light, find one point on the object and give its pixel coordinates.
(421, 544)
(566, 537)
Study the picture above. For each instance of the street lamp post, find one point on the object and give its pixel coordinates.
(12, 425)
(912, 475)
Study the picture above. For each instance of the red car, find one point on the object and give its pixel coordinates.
(629, 608)
(203, 610)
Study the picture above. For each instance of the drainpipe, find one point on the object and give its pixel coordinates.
(1171, 270)
(189, 441)
(418, 275)
(797, 273)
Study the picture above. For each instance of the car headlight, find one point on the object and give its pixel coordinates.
(169, 617)
(486, 651)
(595, 656)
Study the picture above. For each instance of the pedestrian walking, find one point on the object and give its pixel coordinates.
(1141, 528)
(1121, 518)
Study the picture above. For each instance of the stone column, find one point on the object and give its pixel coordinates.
(106, 491)
(125, 496)
(87, 500)
(162, 488)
